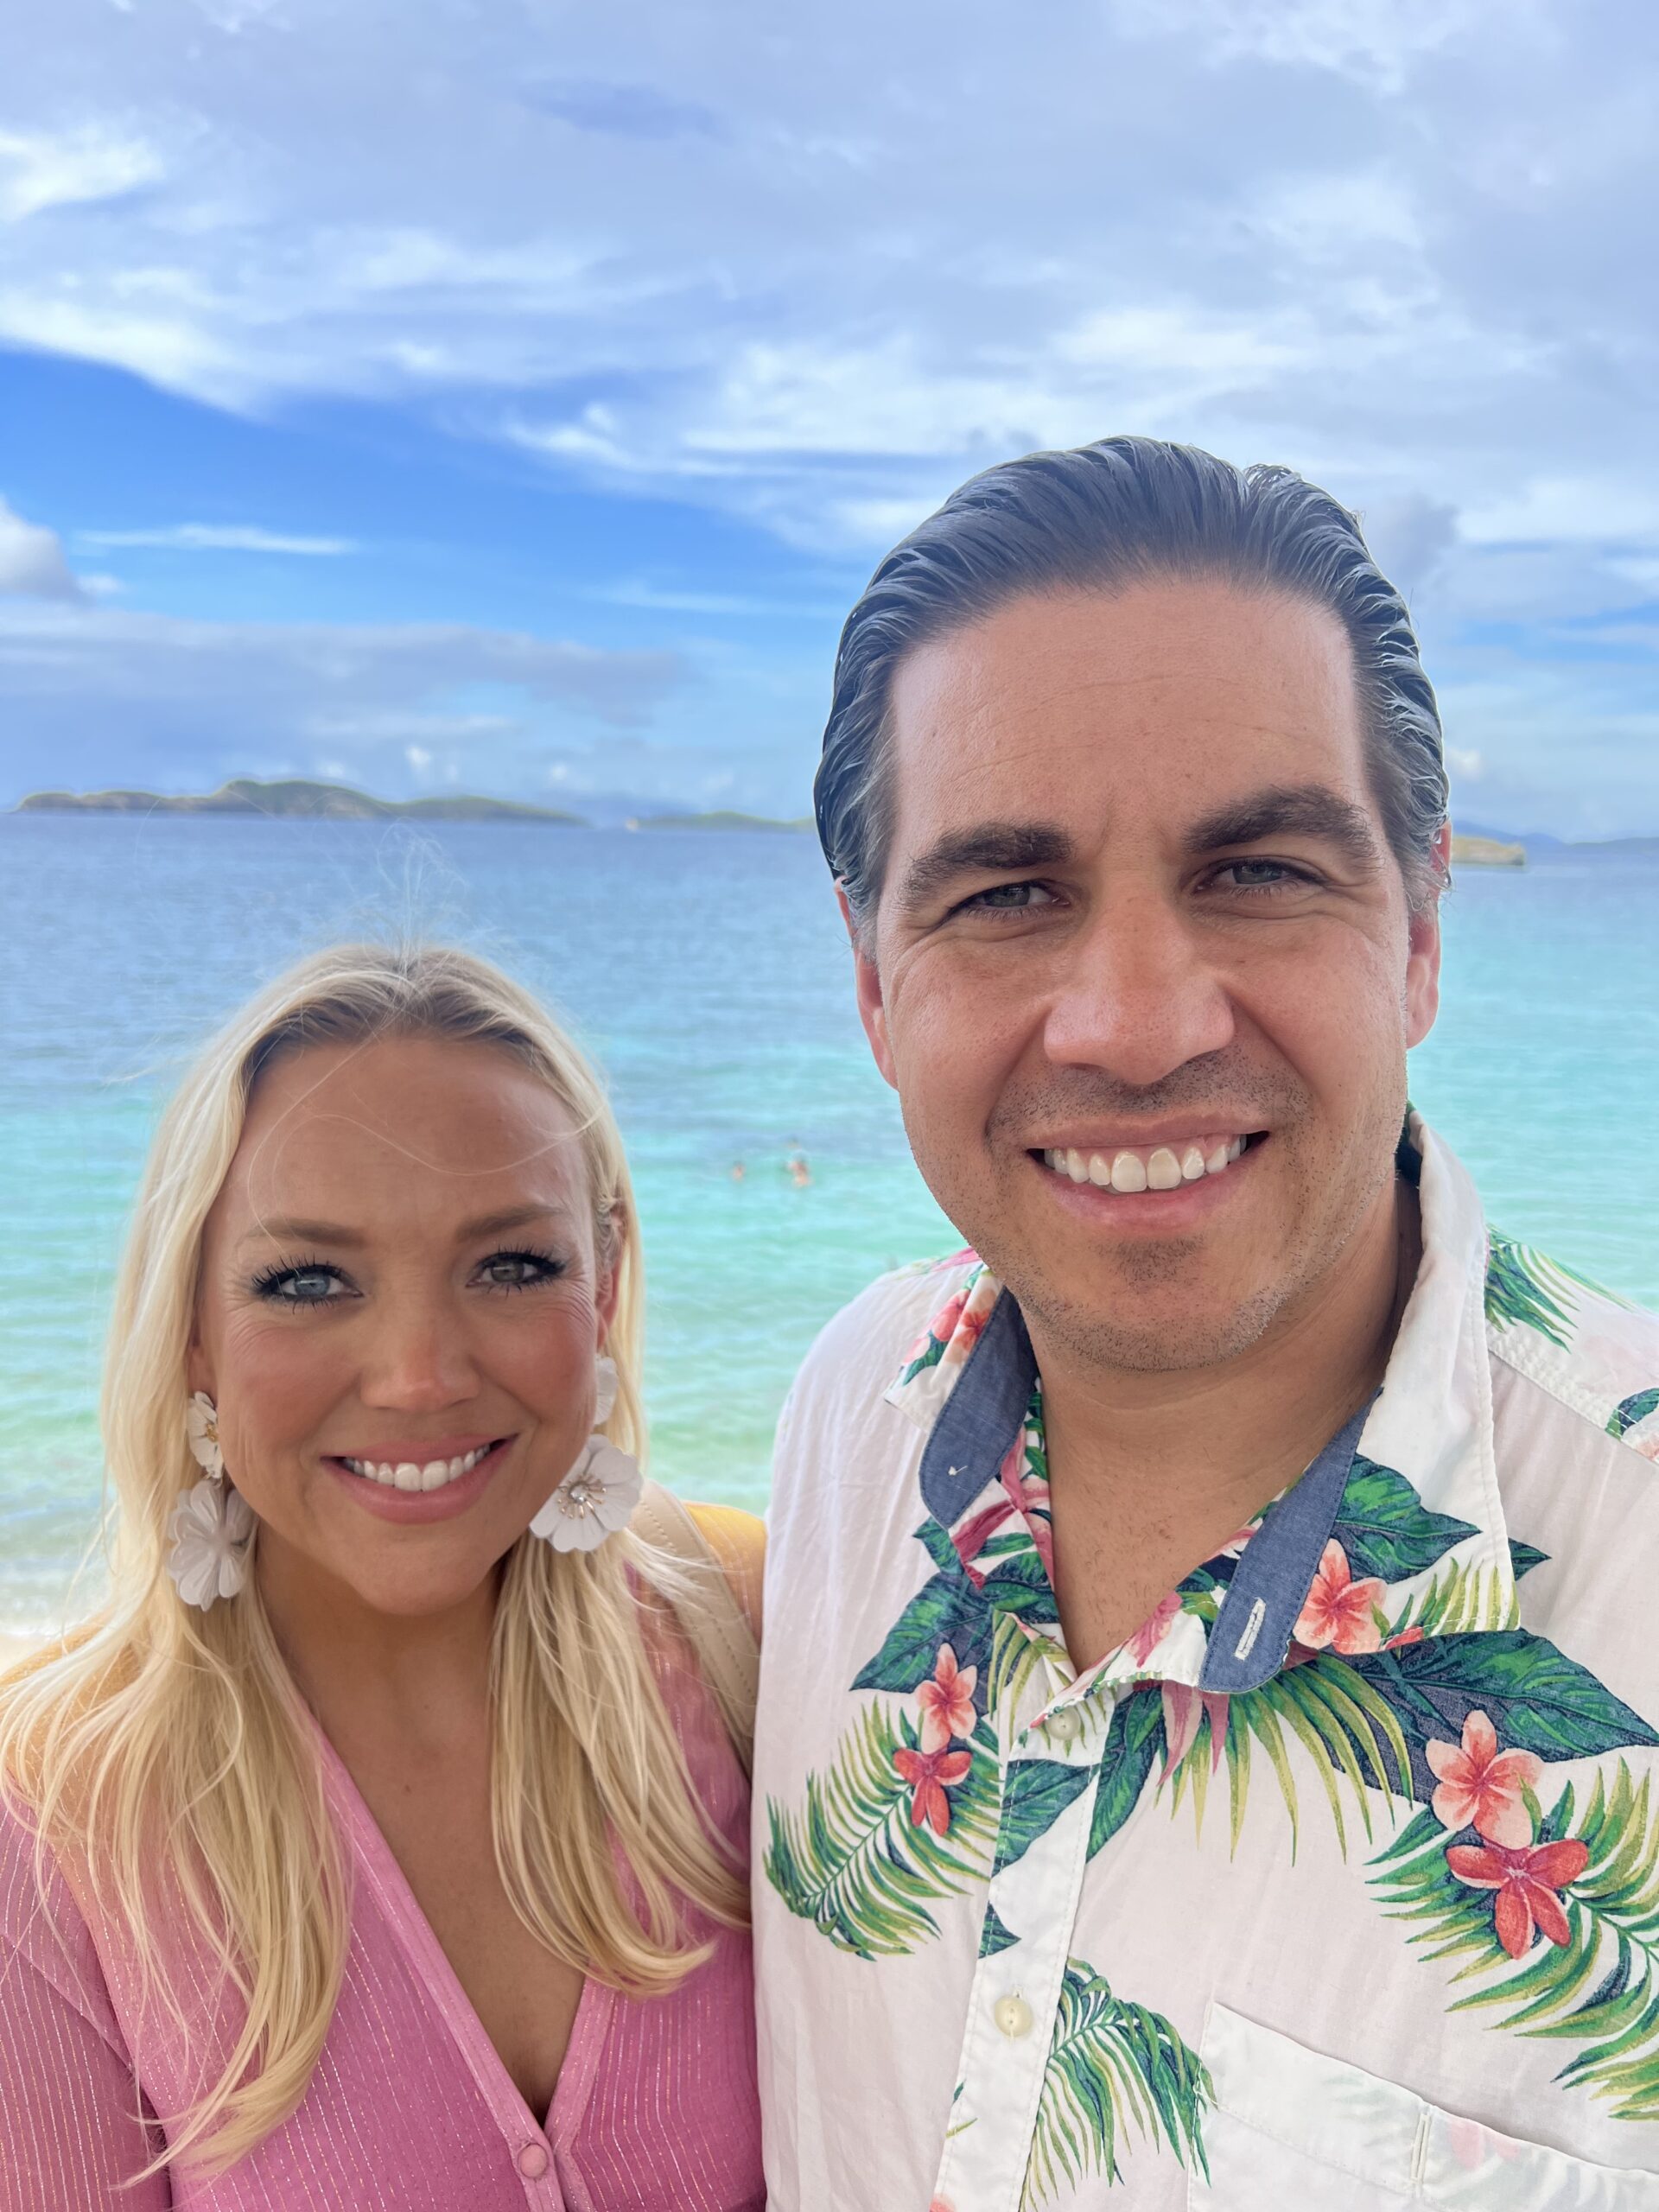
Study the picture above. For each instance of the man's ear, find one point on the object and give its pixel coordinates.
(872, 1007)
(1423, 947)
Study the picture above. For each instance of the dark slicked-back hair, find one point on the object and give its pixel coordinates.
(1104, 518)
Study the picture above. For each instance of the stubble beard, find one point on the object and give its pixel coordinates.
(1104, 1332)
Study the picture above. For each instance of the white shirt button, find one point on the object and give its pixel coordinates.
(1012, 2016)
(1066, 1725)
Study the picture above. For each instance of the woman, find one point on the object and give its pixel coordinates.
(382, 1843)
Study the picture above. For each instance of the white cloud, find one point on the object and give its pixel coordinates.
(1375, 45)
(31, 559)
(761, 278)
(256, 697)
(219, 537)
(1550, 508)
(61, 168)
(1391, 245)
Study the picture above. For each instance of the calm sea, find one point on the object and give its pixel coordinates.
(708, 974)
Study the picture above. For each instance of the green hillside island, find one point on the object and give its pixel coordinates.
(1486, 852)
(718, 820)
(296, 798)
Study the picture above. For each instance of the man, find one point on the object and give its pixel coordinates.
(1210, 1714)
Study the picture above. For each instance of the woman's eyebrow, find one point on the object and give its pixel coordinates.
(294, 1229)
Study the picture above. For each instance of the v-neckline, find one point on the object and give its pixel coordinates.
(415, 1933)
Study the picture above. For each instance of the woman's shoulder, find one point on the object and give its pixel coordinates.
(738, 1541)
(41, 1922)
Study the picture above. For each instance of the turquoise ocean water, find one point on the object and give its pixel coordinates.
(709, 974)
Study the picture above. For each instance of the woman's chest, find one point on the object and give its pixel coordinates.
(524, 1998)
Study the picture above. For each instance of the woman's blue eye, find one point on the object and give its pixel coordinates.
(299, 1285)
(520, 1270)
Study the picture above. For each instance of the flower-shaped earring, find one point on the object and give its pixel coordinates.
(211, 1524)
(598, 1495)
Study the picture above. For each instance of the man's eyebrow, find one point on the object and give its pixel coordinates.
(1293, 809)
(291, 1228)
(987, 849)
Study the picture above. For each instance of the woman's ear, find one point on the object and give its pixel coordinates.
(198, 1367)
(606, 1288)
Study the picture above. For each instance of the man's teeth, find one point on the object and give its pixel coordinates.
(1161, 1168)
(407, 1475)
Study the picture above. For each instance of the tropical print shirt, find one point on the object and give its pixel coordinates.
(1336, 1885)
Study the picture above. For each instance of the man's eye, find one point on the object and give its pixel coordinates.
(1007, 898)
(1257, 875)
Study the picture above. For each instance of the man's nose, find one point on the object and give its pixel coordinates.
(419, 1360)
(1139, 998)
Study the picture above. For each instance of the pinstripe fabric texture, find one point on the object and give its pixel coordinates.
(410, 2109)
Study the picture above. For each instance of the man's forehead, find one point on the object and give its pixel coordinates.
(1190, 693)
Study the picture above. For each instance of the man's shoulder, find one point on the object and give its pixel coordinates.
(1593, 1351)
(873, 1332)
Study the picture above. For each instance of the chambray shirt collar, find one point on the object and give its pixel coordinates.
(1431, 1422)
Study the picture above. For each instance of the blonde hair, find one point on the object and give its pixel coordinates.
(163, 1751)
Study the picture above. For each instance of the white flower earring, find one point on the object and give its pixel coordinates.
(598, 1495)
(212, 1525)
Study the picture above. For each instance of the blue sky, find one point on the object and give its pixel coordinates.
(514, 398)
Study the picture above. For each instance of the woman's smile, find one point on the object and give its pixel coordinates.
(395, 1484)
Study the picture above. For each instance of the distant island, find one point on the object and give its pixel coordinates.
(717, 821)
(1486, 852)
(298, 798)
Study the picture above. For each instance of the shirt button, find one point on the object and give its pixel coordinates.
(532, 2161)
(1066, 1725)
(1012, 2016)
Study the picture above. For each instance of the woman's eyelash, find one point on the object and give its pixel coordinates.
(550, 1263)
(266, 1283)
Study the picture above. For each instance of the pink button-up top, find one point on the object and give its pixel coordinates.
(410, 2108)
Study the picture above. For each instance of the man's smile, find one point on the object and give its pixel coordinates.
(1129, 1169)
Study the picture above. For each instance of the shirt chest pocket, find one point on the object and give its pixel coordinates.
(1293, 2128)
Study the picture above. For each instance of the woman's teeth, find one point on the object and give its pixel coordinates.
(1161, 1168)
(407, 1475)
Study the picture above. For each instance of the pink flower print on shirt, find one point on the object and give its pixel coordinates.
(1473, 2145)
(1025, 1497)
(930, 1774)
(959, 1323)
(1483, 1788)
(1339, 1614)
(1183, 1709)
(947, 1702)
(1527, 1881)
(1150, 1634)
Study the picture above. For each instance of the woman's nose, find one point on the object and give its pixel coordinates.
(419, 1360)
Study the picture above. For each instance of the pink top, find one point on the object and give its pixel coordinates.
(410, 2109)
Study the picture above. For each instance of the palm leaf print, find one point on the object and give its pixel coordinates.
(1114, 2070)
(1351, 1736)
(1465, 1597)
(1524, 1286)
(858, 1863)
(1625, 1415)
(1600, 1988)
